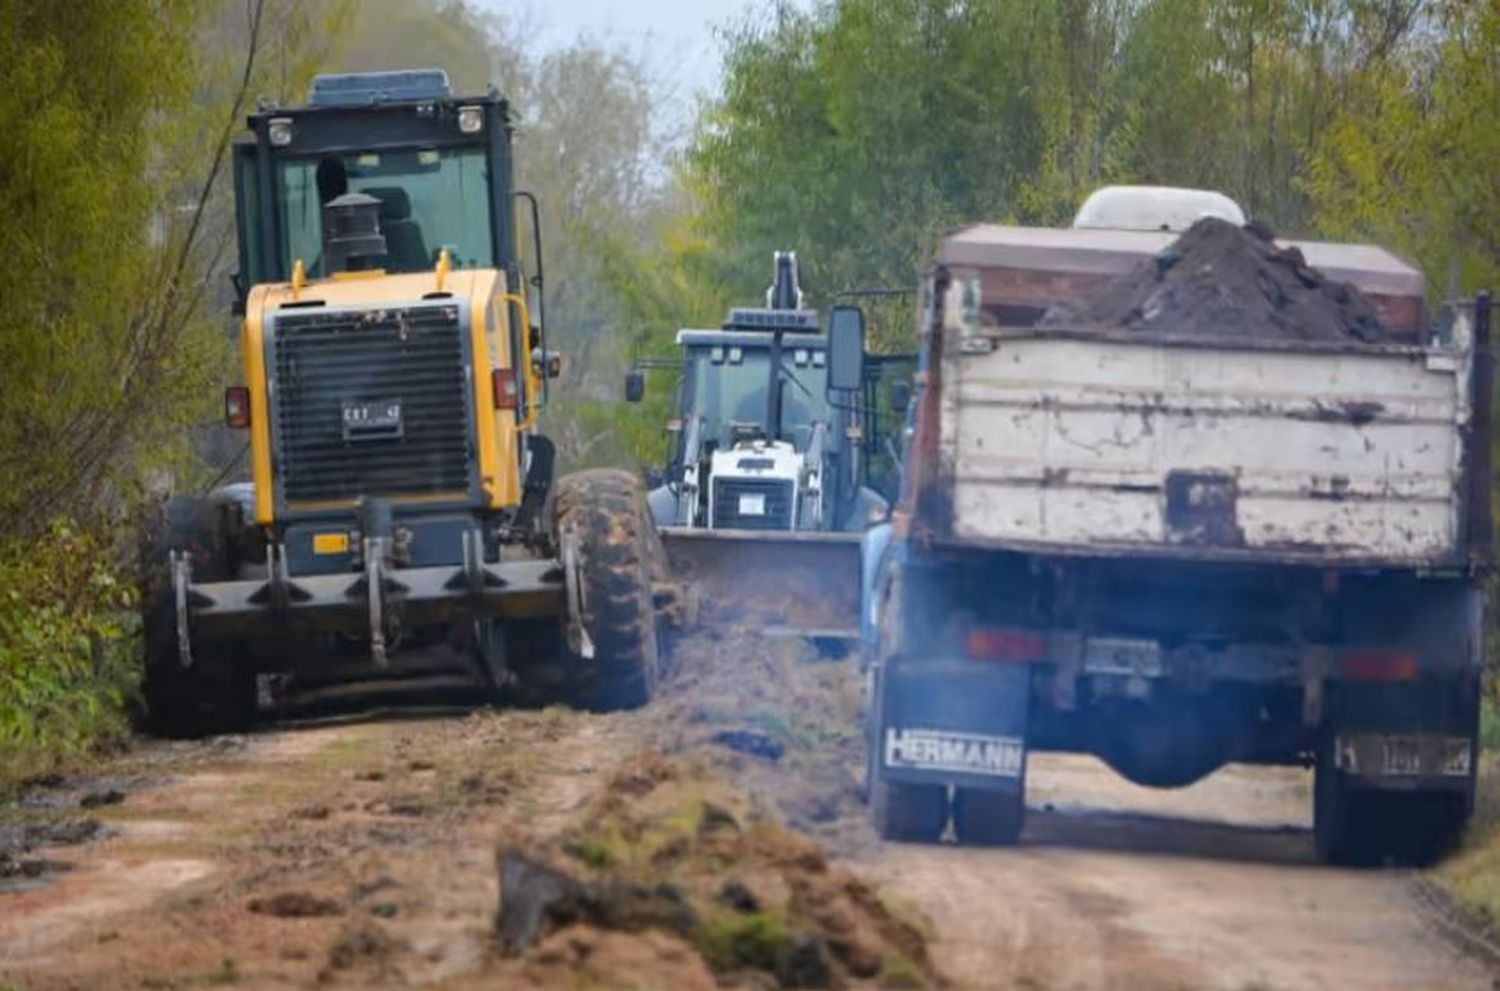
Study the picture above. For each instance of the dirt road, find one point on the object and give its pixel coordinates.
(361, 854)
(1212, 886)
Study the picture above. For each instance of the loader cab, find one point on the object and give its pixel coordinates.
(725, 382)
(438, 166)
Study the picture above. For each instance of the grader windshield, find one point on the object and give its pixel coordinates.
(430, 199)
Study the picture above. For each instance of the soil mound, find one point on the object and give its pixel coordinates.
(666, 848)
(1223, 281)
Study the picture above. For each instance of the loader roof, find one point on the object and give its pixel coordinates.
(689, 337)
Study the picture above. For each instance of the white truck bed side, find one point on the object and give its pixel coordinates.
(1084, 443)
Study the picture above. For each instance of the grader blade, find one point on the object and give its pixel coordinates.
(779, 584)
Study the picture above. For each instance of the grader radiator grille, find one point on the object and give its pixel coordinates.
(371, 403)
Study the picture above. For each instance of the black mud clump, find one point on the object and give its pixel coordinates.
(1223, 281)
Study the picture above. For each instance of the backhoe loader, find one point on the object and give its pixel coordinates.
(776, 467)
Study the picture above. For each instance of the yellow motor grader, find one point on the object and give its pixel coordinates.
(401, 523)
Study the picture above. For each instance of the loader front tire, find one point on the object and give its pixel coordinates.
(602, 516)
(216, 692)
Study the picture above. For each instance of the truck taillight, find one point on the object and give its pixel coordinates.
(1378, 665)
(237, 407)
(1017, 646)
(503, 384)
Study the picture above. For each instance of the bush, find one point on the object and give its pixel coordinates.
(68, 648)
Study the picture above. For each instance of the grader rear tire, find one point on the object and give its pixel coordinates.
(604, 514)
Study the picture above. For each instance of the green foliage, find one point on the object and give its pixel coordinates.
(1410, 156)
(67, 651)
(858, 131)
(118, 234)
(117, 237)
(83, 327)
(1489, 722)
(732, 941)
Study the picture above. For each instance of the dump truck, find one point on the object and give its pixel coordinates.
(1180, 502)
(770, 478)
(401, 524)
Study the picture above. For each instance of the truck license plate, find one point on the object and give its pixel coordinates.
(378, 420)
(1403, 754)
(753, 504)
(962, 753)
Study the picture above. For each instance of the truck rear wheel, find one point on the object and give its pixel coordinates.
(216, 692)
(908, 813)
(982, 817)
(601, 518)
(1365, 827)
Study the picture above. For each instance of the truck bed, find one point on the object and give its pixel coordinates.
(1075, 442)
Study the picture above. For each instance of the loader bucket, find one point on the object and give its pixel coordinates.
(780, 584)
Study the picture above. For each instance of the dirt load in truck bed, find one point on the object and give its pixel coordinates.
(1223, 281)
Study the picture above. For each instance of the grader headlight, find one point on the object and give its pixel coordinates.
(279, 130)
(471, 119)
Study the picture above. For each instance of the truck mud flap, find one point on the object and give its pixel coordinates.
(957, 722)
(777, 583)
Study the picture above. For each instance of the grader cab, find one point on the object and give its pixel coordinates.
(400, 523)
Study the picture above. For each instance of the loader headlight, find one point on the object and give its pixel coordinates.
(279, 129)
(470, 119)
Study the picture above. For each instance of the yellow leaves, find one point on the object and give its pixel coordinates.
(1408, 158)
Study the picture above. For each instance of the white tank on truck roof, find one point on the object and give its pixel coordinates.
(1154, 208)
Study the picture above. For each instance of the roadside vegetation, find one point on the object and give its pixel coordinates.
(112, 338)
(852, 131)
(1471, 877)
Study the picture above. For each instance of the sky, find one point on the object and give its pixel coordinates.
(675, 36)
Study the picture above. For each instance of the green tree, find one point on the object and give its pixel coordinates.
(1409, 159)
(92, 299)
(858, 131)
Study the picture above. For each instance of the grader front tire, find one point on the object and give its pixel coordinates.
(602, 516)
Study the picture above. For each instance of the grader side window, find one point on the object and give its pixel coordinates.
(430, 199)
(247, 220)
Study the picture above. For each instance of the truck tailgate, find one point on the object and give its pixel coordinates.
(1097, 443)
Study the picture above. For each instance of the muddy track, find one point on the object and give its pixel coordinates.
(360, 853)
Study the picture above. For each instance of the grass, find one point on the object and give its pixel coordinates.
(730, 941)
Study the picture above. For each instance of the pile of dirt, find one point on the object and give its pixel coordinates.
(667, 849)
(1220, 280)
